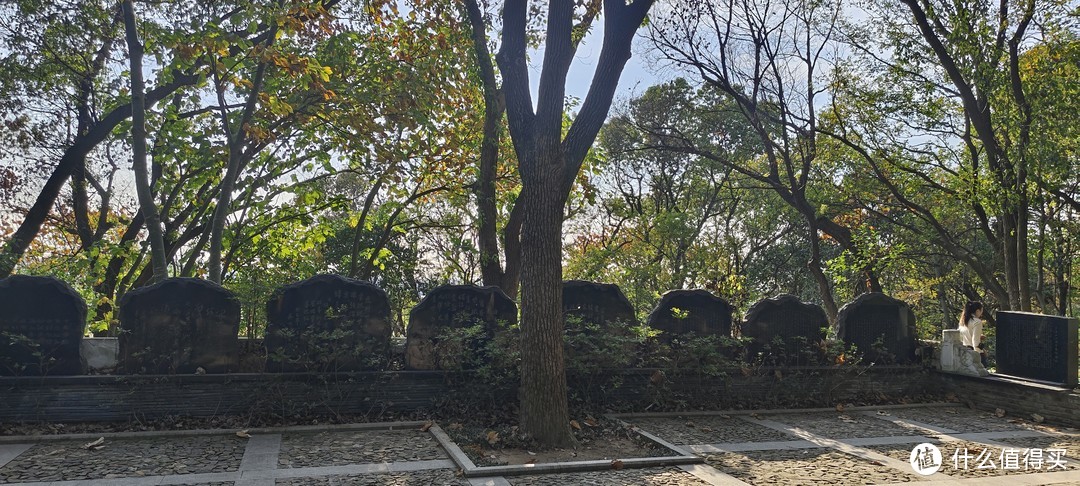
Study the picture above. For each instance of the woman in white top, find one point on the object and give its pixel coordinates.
(971, 324)
(971, 327)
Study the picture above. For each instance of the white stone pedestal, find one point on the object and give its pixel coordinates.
(957, 358)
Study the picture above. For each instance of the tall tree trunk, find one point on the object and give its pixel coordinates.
(503, 276)
(138, 144)
(548, 164)
(544, 409)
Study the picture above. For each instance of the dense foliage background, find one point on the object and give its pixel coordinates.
(925, 149)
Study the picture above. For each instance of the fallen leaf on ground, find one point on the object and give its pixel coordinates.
(1037, 418)
(839, 407)
(426, 426)
(455, 426)
(97, 444)
(575, 425)
(1000, 412)
(492, 437)
(243, 434)
(725, 416)
(882, 412)
(616, 464)
(591, 422)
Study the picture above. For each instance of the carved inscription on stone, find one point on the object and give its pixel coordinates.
(1037, 346)
(784, 324)
(41, 326)
(179, 326)
(328, 323)
(456, 307)
(696, 311)
(881, 328)
(598, 316)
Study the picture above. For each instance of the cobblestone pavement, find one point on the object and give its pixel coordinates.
(671, 476)
(863, 445)
(343, 448)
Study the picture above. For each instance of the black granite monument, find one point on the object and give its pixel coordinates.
(455, 307)
(1037, 347)
(881, 328)
(179, 326)
(327, 323)
(41, 327)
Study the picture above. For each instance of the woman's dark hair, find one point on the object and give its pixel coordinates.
(969, 311)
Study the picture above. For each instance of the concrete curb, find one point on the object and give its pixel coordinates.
(771, 411)
(471, 470)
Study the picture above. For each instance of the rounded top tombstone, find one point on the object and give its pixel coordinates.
(881, 327)
(327, 323)
(454, 307)
(697, 311)
(786, 317)
(179, 325)
(600, 303)
(42, 320)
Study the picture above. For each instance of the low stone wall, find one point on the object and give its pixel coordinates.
(117, 398)
(1019, 398)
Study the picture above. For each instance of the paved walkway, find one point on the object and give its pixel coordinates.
(859, 446)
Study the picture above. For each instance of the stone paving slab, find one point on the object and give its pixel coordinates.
(669, 476)
(119, 458)
(342, 448)
(840, 425)
(706, 430)
(960, 419)
(819, 466)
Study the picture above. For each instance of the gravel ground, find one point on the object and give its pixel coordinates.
(420, 478)
(65, 461)
(671, 476)
(712, 429)
(804, 467)
(836, 425)
(344, 448)
(956, 468)
(961, 419)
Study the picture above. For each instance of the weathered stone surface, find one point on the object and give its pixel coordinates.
(798, 324)
(1037, 346)
(697, 311)
(875, 317)
(41, 326)
(598, 303)
(178, 326)
(327, 323)
(957, 358)
(455, 307)
(600, 324)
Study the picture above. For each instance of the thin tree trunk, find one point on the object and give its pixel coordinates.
(236, 137)
(487, 228)
(814, 266)
(138, 144)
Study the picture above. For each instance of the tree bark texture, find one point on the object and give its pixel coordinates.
(548, 165)
(138, 145)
